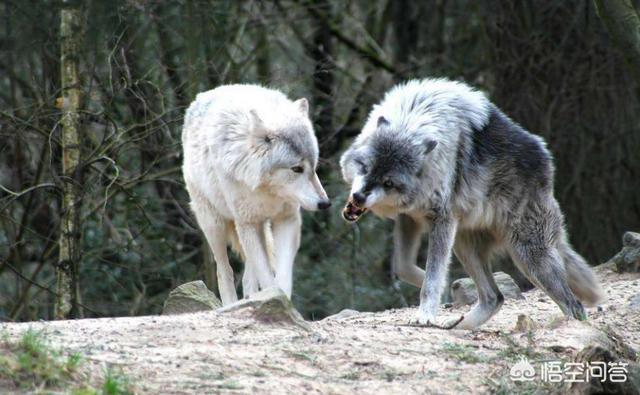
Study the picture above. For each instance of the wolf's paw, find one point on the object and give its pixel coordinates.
(454, 323)
(430, 322)
(423, 318)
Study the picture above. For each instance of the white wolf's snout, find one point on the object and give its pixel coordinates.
(312, 196)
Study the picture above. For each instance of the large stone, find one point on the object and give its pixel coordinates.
(603, 353)
(270, 305)
(464, 292)
(190, 298)
(628, 259)
(631, 239)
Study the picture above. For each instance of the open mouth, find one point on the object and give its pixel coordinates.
(352, 211)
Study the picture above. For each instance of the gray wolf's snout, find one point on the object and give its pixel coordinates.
(359, 198)
(325, 204)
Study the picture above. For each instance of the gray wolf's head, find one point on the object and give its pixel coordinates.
(287, 150)
(384, 171)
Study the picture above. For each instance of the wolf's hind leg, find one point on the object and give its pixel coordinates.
(406, 242)
(214, 229)
(473, 249)
(544, 267)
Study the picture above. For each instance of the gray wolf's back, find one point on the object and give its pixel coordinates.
(513, 156)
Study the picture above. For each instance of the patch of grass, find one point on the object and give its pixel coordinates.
(116, 383)
(515, 351)
(505, 386)
(353, 375)
(230, 385)
(463, 352)
(31, 364)
(391, 374)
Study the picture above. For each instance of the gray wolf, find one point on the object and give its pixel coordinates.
(250, 156)
(436, 155)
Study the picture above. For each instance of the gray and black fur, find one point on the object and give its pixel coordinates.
(437, 156)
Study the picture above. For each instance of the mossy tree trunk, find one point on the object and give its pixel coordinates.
(623, 23)
(67, 287)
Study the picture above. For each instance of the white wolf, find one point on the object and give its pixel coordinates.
(250, 156)
(437, 155)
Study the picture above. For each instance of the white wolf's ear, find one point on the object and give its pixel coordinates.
(259, 132)
(256, 121)
(302, 105)
(429, 145)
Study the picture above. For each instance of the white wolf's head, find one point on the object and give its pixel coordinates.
(384, 171)
(285, 150)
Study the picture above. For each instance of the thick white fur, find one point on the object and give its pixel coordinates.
(243, 191)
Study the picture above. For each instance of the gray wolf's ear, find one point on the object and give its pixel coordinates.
(382, 121)
(302, 105)
(429, 145)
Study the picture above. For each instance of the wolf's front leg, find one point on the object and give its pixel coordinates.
(251, 238)
(407, 234)
(286, 241)
(441, 240)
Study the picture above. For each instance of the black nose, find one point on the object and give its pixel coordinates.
(324, 205)
(359, 197)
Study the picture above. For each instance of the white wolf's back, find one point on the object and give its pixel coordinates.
(238, 98)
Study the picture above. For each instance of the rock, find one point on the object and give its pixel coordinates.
(270, 305)
(525, 324)
(190, 298)
(599, 353)
(463, 290)
(346, 313)
(628, 259)
(631, 239)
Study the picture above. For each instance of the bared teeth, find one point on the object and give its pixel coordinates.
(352, 211)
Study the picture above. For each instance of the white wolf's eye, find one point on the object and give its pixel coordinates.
(388, 184)
(297, 169)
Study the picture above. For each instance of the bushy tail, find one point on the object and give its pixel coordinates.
(581, 279)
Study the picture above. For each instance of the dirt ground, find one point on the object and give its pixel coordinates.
(364, 353)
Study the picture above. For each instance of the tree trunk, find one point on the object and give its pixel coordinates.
(323, 79)
(623, 22)
(69, 251)
(405, 23)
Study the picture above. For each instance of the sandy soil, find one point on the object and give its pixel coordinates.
(365, 353)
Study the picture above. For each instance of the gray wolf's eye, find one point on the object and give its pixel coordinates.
(363, 167)
(388, 184)
(297, 169)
